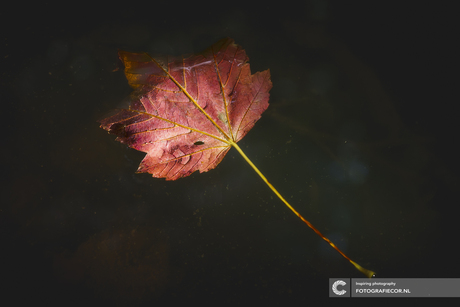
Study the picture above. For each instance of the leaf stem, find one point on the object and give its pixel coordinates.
(366, 272)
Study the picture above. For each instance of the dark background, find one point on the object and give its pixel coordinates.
(360, 137)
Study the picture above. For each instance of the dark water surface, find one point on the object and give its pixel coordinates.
(360, 138)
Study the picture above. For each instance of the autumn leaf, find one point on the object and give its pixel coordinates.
(187, 112)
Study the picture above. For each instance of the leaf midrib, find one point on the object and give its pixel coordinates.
(228, 140)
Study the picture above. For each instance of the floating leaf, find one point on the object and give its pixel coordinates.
(187, 112)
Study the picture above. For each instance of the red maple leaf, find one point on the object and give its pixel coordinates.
(187, 112)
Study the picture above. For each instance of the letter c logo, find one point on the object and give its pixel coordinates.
(338, 283)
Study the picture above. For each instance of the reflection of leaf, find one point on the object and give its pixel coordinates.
(122, 264)
(186, 112)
